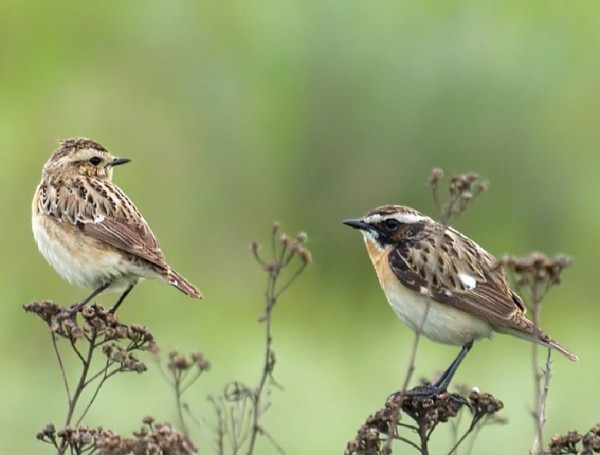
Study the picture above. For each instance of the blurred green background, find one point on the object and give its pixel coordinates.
(236, 114)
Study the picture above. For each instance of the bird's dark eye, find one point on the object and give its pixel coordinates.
(95, 160)
(391, 224)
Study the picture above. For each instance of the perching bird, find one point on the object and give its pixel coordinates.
(468, 297)
(90, 231)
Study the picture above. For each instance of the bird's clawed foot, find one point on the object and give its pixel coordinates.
(441, 385)
(420, 391)
(79, 306)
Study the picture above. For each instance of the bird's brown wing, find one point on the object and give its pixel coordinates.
(463, 278)
(136, 239)
(101, 210)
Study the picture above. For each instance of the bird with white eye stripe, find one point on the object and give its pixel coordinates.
(465, 296)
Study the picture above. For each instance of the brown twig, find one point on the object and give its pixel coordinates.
(426, 413)
(288, 250)
(534, 275)
(240, 408)
(96, 329)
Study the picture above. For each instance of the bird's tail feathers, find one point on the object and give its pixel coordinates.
(175, 279)
(545, 340)
(554, 345)
(526, 331)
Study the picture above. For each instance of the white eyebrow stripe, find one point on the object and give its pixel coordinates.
(409, 218)
(376, 218)
(404, 218)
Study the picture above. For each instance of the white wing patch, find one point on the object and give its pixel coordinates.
(468, 281)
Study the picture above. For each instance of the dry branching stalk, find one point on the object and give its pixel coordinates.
(575, 443)
(534, 275)
(181, 373)
(426, 413)
(240, 408)
(153, 438)
(98, 332)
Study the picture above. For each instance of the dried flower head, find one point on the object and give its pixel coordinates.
(152, 438)
(425, 410)
(435, 176)
(576, 443)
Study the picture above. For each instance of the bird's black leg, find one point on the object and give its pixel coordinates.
(441, 385)
(120, 301)
(75, 308)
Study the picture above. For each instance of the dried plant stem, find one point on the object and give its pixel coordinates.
(542, 386)
(537, 378)
(536, 274)
(80, 384)
(178, 395)
(240, 409)
(105, 376)
(87, 330)
(271, 295)
(61, 366)
(541, 377)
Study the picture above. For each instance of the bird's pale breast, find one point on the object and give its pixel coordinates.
(444, 323)
(83, 260)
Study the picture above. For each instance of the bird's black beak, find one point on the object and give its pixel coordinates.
(357, 224)
(117, 161)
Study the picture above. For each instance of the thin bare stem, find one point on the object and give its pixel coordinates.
(536, 274)
(96, 392)
(61, 365)
(542, 388)
(178, 396)
(81, 383)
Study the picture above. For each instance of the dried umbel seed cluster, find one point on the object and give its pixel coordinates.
(466, 186)
(98, 328)
(462, 189)
(97, 324)
(153, 438)
(426, 411)
(126, 360)
(535, 268)
(575, 443)
(290, 248)
(181, 362)
(483, 404)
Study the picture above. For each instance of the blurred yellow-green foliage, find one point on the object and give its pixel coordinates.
(238, 113)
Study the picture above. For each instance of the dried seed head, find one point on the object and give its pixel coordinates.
(284, 240)
(301, 237)
(435, 176)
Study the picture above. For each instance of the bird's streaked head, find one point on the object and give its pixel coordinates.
(81, 156)
(389, 224)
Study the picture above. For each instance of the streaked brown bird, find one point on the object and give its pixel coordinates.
(468, 297)
(90, 231)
